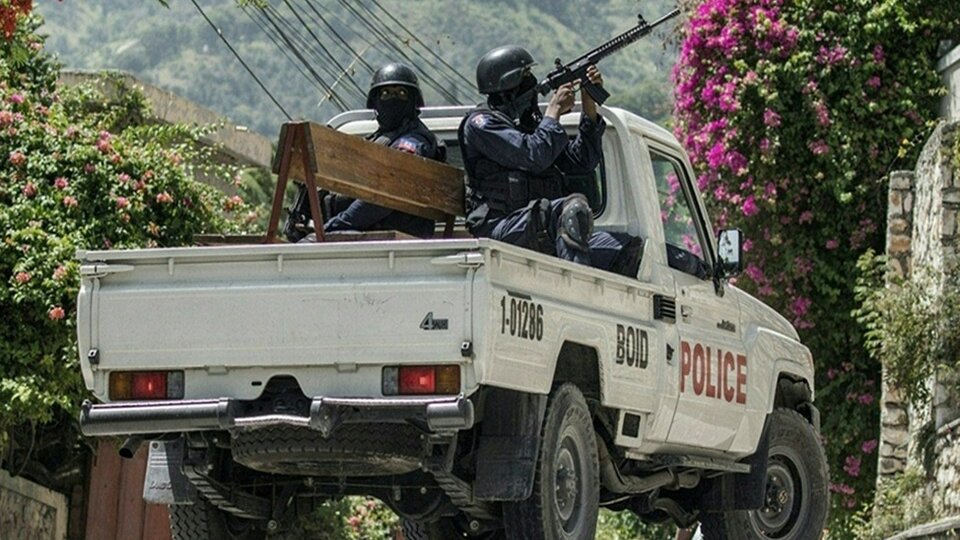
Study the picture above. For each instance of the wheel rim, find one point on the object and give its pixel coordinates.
(568, 480)
(786, 495)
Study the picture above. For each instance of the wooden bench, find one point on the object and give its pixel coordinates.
(349, 165)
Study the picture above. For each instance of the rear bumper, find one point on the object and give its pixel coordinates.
(158, 417)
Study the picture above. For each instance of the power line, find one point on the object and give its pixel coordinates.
(333, 95)
(386, 40)
(244, 64)
(344, 44)
(343, 71)
(424, 45)
(312, 56)
(276, 42)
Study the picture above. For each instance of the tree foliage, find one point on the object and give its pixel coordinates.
(793, 114)
(80, 168)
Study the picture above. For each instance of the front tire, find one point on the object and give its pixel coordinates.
(566, 492)
(796, 498)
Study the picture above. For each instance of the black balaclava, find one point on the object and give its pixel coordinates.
(392, 113)
(530, 116)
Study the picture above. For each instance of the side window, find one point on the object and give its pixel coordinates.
(684, 246)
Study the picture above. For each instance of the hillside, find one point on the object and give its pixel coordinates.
(176, 49)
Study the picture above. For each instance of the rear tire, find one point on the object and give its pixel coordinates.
(204, 521)
(796, 498)
(565, 501)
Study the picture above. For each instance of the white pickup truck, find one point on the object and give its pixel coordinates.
(479, 389)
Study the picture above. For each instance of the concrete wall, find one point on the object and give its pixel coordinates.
(236, 142)
(29, 511)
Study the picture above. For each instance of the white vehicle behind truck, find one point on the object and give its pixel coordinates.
(479, 389)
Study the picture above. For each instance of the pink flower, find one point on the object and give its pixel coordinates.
(16, 98)
(771, 118)
(869, 446)
(878, 56)
(29, 190)
(717, 155)
(89, 168)
(747, 245)
(832, 373)
(17, 158)
(832, 244)
(823, 115)
(865, 399)
(60, 183)
(873, 82)
(104, 146)
(122, 202)
(232, 203)
(749, 206)
(6, 118)
(818, 147)
(842, 489)
(851, 466)
(69, 201)
(806, 217)
(59, 273)
(164, 198)
(123, 178)
(56, 313)
(22, 277)
(800, 306)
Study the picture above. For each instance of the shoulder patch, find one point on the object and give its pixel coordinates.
(480, 120)
(407, 144)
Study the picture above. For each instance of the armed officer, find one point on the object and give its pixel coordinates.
(395, 96)
(516, 158)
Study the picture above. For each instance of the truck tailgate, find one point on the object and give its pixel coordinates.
(254, 312)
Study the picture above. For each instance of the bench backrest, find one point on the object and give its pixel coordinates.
(358, 168)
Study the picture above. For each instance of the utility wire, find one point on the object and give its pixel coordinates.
(244, 64)
(344, 44)
(312, 56)
(334, 97)
(424, 45)
(384, 39)
(344, 72)
(263, 28)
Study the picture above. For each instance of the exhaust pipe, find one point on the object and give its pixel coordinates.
(130, 446)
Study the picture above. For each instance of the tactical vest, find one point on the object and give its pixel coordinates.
(496, 190)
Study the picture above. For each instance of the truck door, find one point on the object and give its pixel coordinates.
(711, 367)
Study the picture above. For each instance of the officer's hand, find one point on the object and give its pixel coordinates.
(589, 106)
(593, 74)
(561, 102)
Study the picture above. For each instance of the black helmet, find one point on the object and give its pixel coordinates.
(394, 74)
(502, 69)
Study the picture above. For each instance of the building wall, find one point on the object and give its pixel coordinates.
(29, 511)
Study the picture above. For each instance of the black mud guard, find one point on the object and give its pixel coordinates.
(738, 491)
(509, 444)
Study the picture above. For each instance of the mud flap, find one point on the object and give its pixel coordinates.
(509, 444)
(734, 491)
(165, 482)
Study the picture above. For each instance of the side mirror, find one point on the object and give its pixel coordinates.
(730, 251)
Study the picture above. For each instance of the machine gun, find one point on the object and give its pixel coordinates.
(563, 74)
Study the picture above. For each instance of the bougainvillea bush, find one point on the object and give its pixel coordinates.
(793, 113)
(80, 168)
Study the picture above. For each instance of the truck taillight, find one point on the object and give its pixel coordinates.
(413, 380)
(131, 385)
